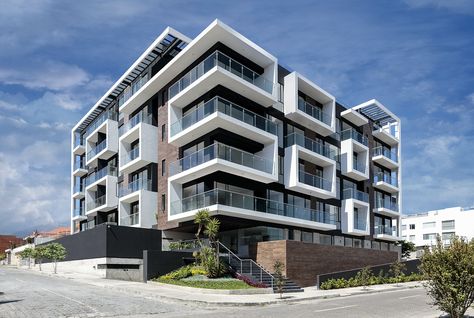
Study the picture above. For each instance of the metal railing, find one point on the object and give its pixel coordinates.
(98, 148)
(386, 229)
(96, 202)
(132, 89)
(141, 117)
(219, 59)
(97, 175)
(350, 193)
(132, 219)
(386, 204)
(249, 202)
(315, 181)
(129, 156)
(382, 151)
(139, 184)
(382, 177)
(351, 133)
(313, 145)
(224, 152)
(219, 104)
(314, 111)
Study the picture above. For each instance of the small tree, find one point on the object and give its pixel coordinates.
(201, 218)
(279, 279)
(407, 248)
(450, 275)
(396, 269)
(38, 254)
(55, 252)
(363, 277)
(27, 253)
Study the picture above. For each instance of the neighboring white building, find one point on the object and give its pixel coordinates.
(422, 228)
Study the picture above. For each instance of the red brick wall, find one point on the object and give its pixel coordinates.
(304, 261)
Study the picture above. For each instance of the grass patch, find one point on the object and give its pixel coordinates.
(209, 284)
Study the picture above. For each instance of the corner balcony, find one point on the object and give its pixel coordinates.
(220, 69)
(223, 202)
(100, 177)
(220, 157)
(137, 191)
(388, 233)
(79, 214)
(386, 207)
(300, 147)
(78, 191)
(79, 169)
(387, 134)
(351, 222)
(146, 152)
(107, 147)
(385, 157)
(220, 113)
(319, 119)
(354, 142)
(386, 182)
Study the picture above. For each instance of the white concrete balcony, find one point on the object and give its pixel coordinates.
(79, 169)
(386, 207)
(385, 157)
(300, 147)
(220, 69)
(105, 202)
(79, 149)
(78, 191)
(100, 177)
(354, 167)
(352, 222)
(107, 147)
(354, 117)
(138, 192)
(146, 152)
(386, 182)
(223, 202)
(387, 233)
(261, 166)
(219, 113)
(388, 134)
(78, 214)
(322, 120)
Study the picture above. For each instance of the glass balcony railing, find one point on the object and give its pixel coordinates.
(355, 135)
(96, 176)
(382, 151)
(355, 194)
(78, 188)
(386, 229)
(139, 184)
(131, 90)
(98, 148)
(314, 112)
(315, 181)
(218, 104)
(99, 120)
(130, 155)
(100, 201)
(382, 177)
(313, 145)
(391, 130)
(78, 211)
(360, 224)
(219, 59)
(386, 204)
(132, 219)
(359, 166)
(248, 202)
(78, 141)
(141, 117)
(79, 165)
(224, 152)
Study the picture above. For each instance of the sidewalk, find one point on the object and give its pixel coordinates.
(172, 293)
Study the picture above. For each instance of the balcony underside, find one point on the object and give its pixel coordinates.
(387, 212)
(384, 186)
(354, 117)
(356, 175)
(134, 165)
(310, 122)
(384, 161)
(385, 137)
(387, 237)
(79, 150)
(79, 172)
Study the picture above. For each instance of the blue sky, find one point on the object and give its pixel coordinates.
(415, 56)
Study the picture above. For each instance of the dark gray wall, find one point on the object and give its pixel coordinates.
(157, 263)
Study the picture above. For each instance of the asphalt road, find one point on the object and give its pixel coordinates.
(28, 294)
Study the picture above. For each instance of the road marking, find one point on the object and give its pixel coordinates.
(335, 308)
(413, 296)
(71, 299)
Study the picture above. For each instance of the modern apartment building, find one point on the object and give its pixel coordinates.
(423, 228)
(217, 123)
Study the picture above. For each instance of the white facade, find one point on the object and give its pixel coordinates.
(423, 228)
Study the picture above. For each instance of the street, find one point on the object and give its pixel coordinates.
(28, 294)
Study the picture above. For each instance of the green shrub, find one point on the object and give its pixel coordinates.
(336, 283)
(198, 270)
(180, 273)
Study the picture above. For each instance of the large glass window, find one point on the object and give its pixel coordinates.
(448, 225)
(429, 225)
(429, 236)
